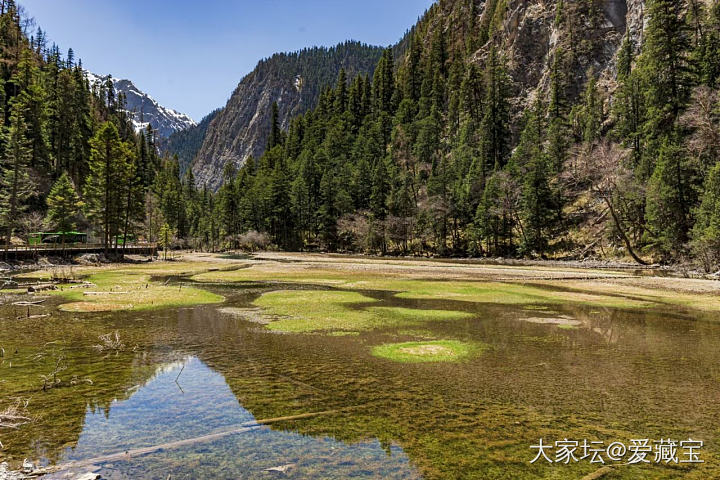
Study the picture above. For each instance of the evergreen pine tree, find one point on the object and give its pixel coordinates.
(63, 205)
(706, 232)
(494, 127)
(275, 138)
(109, 172)
(670, 195)
(14, 175)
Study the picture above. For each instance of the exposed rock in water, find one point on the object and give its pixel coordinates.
(561, 320)
(7, 474)
(89, 476)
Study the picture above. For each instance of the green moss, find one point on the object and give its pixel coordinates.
(320, 310)
(428, 351)
(407, 316)
(13, 291)
(502, 293)
(510, 294)
(122, 290)
(343, 333)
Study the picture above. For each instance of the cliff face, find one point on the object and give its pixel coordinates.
(582, 37)
(294, 81)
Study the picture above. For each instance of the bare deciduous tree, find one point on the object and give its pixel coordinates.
(703, 117)
(30, 223)
(601, 167)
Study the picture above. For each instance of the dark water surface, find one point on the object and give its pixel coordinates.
(185, 394)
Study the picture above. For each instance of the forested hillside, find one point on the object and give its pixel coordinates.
(293, 80)
(70, 157)
(509, 128)
(514, 128)
(187, 142)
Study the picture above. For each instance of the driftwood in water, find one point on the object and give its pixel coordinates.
(24, 303)
(598, 473)
(32, 317)
(106, 293)
(41, 287)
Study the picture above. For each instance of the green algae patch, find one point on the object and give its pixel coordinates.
(428, 351)
(300, 311)
(487, 291)
(13, 291)
(112, 291)
(407, 316)
(510, 294)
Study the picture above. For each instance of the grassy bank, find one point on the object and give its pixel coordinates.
(126, 287)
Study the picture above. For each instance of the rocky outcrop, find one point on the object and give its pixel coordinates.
(143, 109)
(294, 81)
(585, 37)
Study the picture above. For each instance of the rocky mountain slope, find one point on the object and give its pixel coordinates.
(294, 81)
(144, 109)
(537, 36)
(186, 143)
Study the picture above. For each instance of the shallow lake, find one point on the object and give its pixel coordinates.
(206, 393)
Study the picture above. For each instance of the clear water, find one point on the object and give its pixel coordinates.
(620, 375)
(187, 400)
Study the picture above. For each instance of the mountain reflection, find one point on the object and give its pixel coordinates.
(187, 400)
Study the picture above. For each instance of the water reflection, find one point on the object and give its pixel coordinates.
(183, 405)
(616, 375)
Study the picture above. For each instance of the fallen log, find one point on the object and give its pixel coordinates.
(31, 317)
(33, 303)
(140, 451)
(41, 287)
(8, 417)
(598, 473)
(106, 293)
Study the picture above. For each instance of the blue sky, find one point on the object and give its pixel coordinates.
(190, 54)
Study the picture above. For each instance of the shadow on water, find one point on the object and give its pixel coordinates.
(617, 375)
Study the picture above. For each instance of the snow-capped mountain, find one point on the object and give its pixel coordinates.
(144, 109)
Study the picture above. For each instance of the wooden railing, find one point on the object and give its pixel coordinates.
(25, 250)
(76, 246)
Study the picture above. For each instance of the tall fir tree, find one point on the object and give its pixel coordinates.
(17, 187)
(64, 205)
(110, 169)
